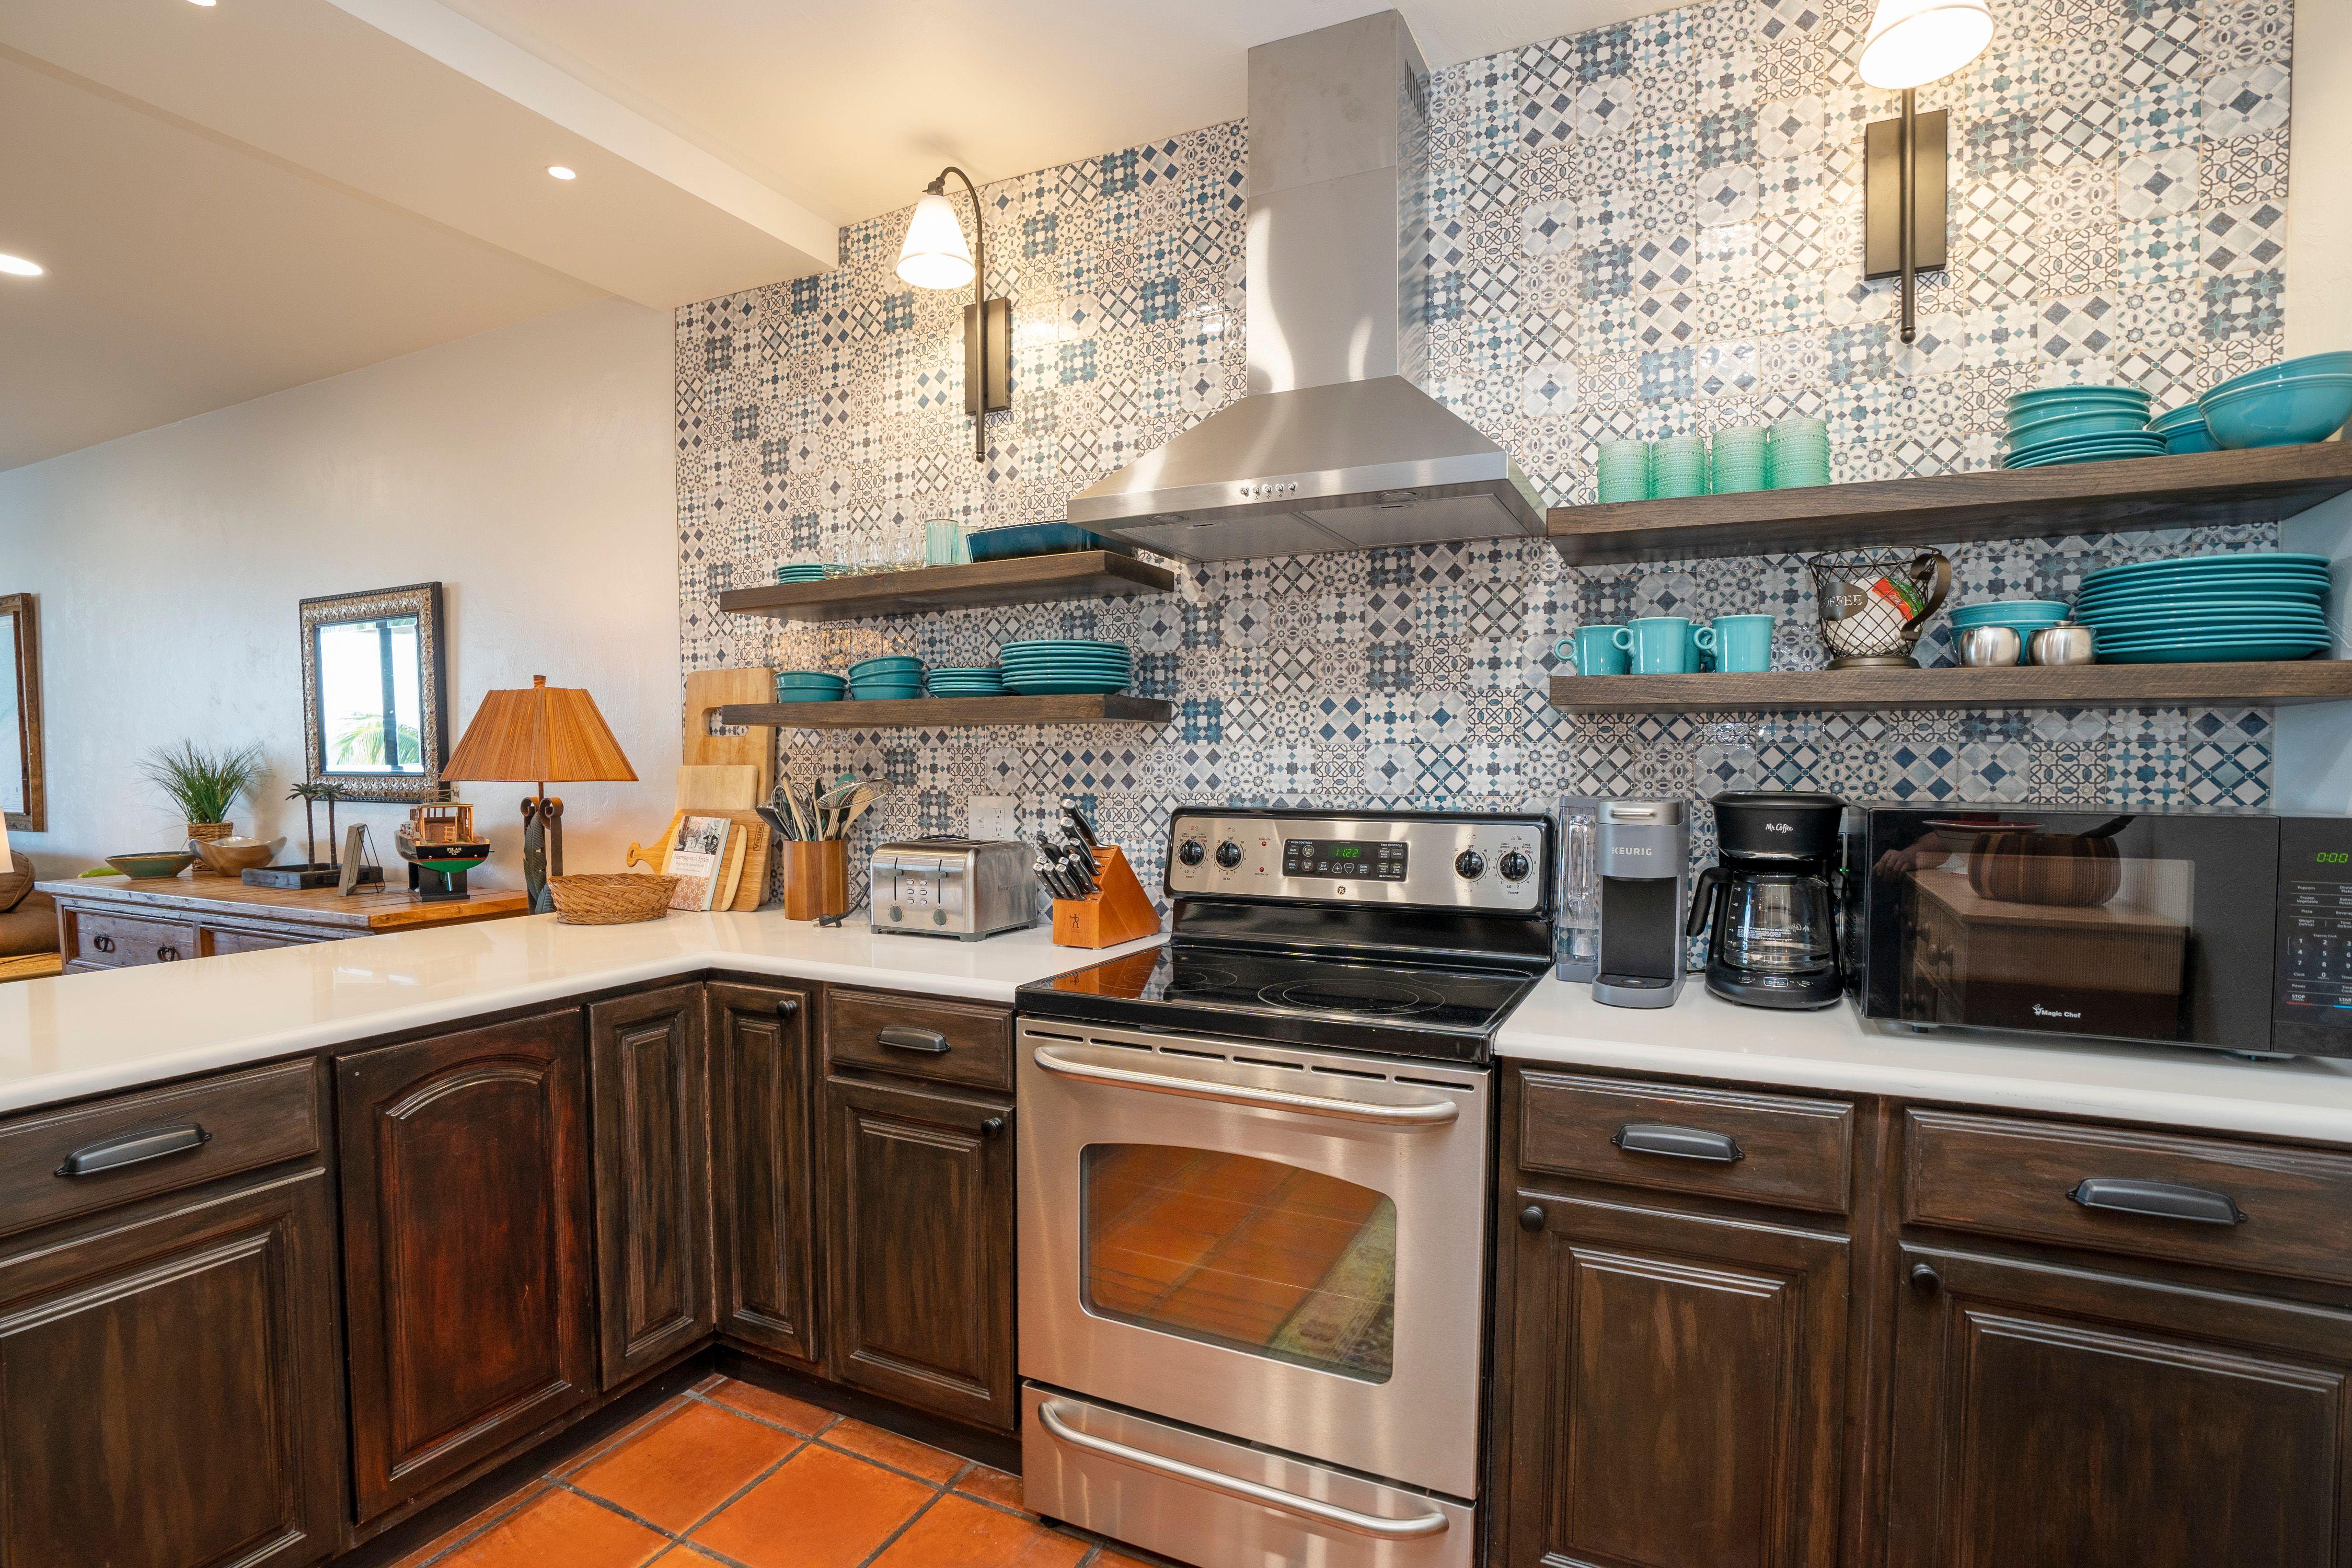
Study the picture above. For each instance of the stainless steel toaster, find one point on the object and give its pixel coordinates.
(962, 887)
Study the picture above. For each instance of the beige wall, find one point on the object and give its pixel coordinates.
(2313, 769)
(528, 469)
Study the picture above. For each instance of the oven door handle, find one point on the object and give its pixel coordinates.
(1281, 1502)
(1412, 1113)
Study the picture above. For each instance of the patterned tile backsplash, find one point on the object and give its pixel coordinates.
(1649, 229)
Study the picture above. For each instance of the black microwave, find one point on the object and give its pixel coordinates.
(2230, 931)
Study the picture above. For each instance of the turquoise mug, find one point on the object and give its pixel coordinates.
(1669, 645)
(1743, 644)
(1595, 650)
(1701, 657)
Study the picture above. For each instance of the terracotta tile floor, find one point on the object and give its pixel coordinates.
(728, 1475)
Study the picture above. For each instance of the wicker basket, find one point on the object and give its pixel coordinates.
(610, 899)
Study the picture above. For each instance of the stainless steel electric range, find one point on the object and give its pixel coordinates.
(1253, 1173)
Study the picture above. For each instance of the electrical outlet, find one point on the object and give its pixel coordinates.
(995, 817)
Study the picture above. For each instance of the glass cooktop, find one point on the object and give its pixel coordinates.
(1394, 1009)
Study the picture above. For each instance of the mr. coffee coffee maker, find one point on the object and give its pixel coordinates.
(1769, 900)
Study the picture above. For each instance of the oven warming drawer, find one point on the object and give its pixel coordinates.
(1202, 1500)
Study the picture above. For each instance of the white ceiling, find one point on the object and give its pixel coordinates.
(858, 102)
(239, 198)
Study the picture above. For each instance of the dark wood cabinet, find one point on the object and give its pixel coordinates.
(919, 1241)
(469, 1299)
(1677, 1398)
(2053, 1415)
(169, 1394)
(650, 1088)
(764, 1166)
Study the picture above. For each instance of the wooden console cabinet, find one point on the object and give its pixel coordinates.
(114, 922)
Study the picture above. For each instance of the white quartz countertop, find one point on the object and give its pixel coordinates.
(89, 1033)
(1838, 1049)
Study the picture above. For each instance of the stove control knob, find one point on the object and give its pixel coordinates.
(1470, 865)
(1513, 866)
(1193, 852)
(1229, 854)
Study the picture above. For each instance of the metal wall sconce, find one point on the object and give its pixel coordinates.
(1906, 167)
(934, 257)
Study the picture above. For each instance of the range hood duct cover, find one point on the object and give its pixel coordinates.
(1336, 446)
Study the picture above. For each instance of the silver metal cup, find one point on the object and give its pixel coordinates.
(1991, 647)
(2065, 643)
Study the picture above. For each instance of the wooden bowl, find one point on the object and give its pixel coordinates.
(610, 899)
(151, 865)
(235, 857)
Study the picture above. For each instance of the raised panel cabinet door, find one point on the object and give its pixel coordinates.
(920, 1249)
(1678, 1389)
(649, 1086)
(169, 1392)
(763, 1166)
(2059, 1417)
(468, 1296)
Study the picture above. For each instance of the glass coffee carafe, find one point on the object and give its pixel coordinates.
(1777, 924)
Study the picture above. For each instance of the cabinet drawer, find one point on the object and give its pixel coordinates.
(1765, 1148)
(224, 941)
(114, 941)
(2261, 1208)
(135, 1145)
(952, 1042)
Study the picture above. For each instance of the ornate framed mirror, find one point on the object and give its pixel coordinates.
(372, 692)
(23, 802)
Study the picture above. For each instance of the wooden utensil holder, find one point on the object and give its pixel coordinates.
(815, 877)
(1119, 912)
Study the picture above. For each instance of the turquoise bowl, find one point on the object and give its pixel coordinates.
(2336, 363)
(2001, 609)
(808, 694)
(888, 664)
(810, 678)
(2065, 427)
(2278, 412)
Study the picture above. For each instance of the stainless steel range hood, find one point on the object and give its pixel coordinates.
(1336, 446)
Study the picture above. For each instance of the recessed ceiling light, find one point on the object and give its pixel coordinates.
(18, 267)
(561, 172)
(208, 4)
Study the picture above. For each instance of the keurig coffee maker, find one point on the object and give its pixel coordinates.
(1774, 916)
(1643, 856)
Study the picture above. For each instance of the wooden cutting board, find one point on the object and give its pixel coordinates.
(742, 876)
(709, 689)
(718, 788)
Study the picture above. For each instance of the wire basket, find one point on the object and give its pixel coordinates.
(1874, 603)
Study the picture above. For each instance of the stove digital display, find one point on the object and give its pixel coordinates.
(1380, 862)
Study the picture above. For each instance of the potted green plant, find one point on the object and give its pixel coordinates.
(203, 784)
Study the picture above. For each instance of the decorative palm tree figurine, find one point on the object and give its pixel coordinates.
(310, 794)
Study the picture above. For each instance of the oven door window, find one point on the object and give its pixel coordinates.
(1249, 1254)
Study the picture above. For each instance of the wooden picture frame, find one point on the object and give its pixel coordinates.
(35, 817)
(421, 603)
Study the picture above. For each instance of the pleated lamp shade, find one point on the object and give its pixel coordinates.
(548, 734)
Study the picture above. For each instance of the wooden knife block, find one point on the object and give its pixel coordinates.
(1119, 912)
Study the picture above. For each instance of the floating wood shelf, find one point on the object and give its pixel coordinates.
(1026, 580)
(935, 712)
(2202, 488)
(2067, 686)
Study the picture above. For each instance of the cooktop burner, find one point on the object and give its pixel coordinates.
(1395, 1009)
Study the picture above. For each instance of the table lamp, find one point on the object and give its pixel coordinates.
(548, 732)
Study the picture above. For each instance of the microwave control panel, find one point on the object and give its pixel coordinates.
(2312, 998)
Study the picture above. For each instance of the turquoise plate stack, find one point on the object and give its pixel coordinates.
(1051, 666)
(801, 572)
(2079, 425)
(968, 681)
(893, 678)
(2207, 609)
(808, 686)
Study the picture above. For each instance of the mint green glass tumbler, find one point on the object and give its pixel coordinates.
(1743, 644)
(1596, 651)
(1667, 645)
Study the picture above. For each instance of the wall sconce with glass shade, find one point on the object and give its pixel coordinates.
(934, 256)
(1906, 165)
